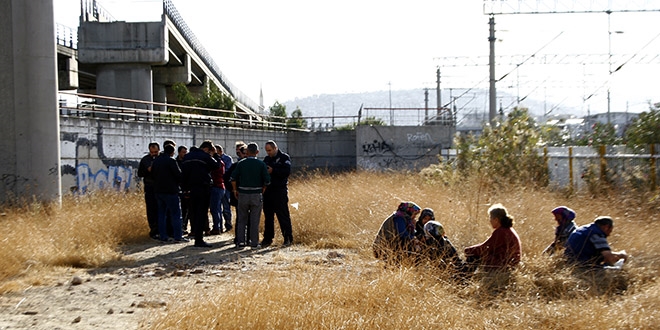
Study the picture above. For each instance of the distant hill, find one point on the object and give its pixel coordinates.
(469, 106)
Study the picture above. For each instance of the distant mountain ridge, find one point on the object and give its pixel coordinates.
(471, 104)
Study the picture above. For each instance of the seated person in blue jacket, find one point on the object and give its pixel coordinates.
(587, 246)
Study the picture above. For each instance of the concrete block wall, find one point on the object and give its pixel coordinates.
(400, 147)
(100, 153)
(104, 154)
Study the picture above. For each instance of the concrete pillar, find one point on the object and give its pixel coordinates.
(160, 96)
(129, 81)
(29, 129)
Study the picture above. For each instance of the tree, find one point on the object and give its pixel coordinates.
(645, 129)
(213, 99)
(366, 121)
(601, 134)
(553, 136)
(278, 112)
(507, 152)
(296, 120)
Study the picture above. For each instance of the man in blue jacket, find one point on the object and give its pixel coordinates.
(196, 184)
(587, 246)
(276, 197)
(167, 176)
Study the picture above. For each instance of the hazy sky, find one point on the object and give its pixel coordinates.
(301, 48)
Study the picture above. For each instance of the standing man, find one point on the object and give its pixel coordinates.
(276, 197)
(217, 193)
(226, 207)
(196, 182)
(167, 176)
(185, 215)
(252, 176)
(233, 201)
(587, 246)
(144, 171)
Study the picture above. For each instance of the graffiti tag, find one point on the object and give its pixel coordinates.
(114, 177)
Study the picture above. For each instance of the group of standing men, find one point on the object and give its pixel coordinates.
(186, 187)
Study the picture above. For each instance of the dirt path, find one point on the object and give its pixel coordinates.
(119, 297)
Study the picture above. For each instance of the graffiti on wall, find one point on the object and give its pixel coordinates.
(113, 177)
(376, 147)
(92, 169)
(420, 138)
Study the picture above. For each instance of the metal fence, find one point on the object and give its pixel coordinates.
(95, 106)
(582, 167)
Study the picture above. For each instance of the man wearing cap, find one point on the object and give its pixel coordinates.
(587, 246)
(249, 180)
(565, 226)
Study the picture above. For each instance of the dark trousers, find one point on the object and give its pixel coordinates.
(185, 215)
(276, 202)
(199, 205)
(152, 209)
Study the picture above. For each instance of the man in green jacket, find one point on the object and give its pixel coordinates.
(252, 174)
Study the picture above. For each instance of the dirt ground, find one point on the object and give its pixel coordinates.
(149, 277)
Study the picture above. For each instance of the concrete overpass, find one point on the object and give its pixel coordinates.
(141, 60)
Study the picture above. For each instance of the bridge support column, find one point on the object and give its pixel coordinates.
(131, 81)
(29, 129)
(160, 96)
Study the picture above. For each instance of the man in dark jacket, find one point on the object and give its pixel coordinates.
(144, 172)
(196, 183)
(167, 176)
(276, 197)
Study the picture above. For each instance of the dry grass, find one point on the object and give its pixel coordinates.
(344, 212)
(84, 232)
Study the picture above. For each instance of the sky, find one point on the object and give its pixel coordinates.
(295, 48)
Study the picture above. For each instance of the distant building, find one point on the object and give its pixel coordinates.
(620, 120)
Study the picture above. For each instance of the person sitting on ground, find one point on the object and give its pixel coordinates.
(437, 247)
(587, 246)
(397, 232)
(501, 251)
(425, 216)
(565, 226)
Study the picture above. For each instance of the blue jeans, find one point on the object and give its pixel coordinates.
(216, 206)
(226, 209)
(169, 204)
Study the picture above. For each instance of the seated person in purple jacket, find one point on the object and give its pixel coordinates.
(397, 232)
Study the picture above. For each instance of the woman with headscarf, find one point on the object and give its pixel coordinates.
(397, 232)
(565, 226)
(501, 251)
(425, 216)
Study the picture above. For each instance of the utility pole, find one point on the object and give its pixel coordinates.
(492, 113)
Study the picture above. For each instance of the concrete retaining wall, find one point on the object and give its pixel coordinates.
(100, 153)
(400, 147)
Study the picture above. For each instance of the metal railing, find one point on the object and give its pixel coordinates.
(66, 36)
(112, 108)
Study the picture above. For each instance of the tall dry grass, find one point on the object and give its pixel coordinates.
(85, 232)
(344, 212)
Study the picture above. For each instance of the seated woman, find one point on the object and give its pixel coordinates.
(565, 226)
(438, 248)
(424, 217)
(397, 232)
(501, 251)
